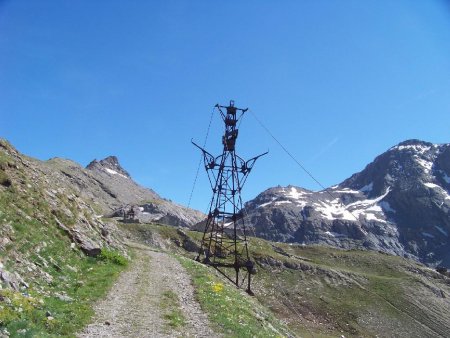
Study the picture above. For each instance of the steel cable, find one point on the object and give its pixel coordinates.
(326, 190)
(201, 158)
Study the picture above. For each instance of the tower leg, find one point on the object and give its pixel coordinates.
(249, 280)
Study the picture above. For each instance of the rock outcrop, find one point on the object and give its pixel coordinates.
(160, 211)
(109, 164)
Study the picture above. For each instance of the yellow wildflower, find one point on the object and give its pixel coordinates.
(217, 287)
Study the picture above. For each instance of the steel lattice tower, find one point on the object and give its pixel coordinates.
(224, 244)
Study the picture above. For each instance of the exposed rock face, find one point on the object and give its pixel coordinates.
(399, 204)
(110, 165)
(8, 279)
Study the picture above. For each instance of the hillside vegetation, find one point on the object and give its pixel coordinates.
(48, 284)
(326, 292)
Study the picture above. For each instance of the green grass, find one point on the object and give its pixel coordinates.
(113, 256)
(170, 305)
(91, 282)
(335, 287)
(233, 313)
(159, 201)
(73, 283)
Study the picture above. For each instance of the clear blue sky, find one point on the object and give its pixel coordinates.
(338, 82)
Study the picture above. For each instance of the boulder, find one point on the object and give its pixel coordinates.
(88, 246)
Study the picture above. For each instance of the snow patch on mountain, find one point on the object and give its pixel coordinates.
(442, 231)
(431, 185)
(386, 206)
(419, 148)
(439, 188)
(373, 217)
(334, 234)
(113, 172)
(283, 202)
(426, 234)
(295, 193)
(372, 201)
(334, 210)
(426, 165)
(367, 208)
(265, 204)
(346, 191)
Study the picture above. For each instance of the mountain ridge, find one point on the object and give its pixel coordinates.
(399, 204)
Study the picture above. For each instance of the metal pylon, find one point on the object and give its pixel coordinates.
(224, 244)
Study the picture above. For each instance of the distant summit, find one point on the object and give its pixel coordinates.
(110, 165)
(146, 205)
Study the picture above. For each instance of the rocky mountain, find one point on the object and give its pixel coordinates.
(107, 185)
(399, 204)
(145, 204)
(78, 198)
(105, 188)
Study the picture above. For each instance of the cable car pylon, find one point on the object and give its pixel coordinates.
(224, 244)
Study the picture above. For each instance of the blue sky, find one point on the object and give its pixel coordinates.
(337, 82)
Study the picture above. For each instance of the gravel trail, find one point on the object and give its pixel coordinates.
(133, 306)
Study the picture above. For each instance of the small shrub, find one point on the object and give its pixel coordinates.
(113, 256)
(14, 306)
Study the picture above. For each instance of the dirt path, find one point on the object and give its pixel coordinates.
(135, 306)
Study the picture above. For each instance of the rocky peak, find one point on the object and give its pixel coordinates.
(109, 165)
(279, 195)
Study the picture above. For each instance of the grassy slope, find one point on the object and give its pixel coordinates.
(62, 282)
(360, 293)
(231, 311)
(326, 292)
